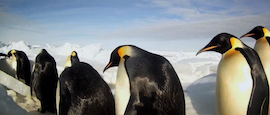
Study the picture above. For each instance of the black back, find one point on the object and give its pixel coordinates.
(84, 92)
(259, 99)
(155, 87)
(23, 67)
(44, 81)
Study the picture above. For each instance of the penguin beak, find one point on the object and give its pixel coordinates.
(205, 49)
(107, 67)
(247, 35)
(8, 56)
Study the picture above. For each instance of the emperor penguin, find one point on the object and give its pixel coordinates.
(44, 81)
(241, 86)
(83, 91)
(72, 59)
(21, 65)
(262, 46)
(155, 88)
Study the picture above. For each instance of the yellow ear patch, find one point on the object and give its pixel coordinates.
(13, 51)
(266, 32)
(235, 42)
(125, 50)
(73, 53)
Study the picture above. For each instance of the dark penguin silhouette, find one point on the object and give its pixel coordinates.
(155, 88)
(83, 91)
(44, 80)
(22, 68)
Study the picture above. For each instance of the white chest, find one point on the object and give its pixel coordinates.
(234, 84)
(122, 89)
(263, 50)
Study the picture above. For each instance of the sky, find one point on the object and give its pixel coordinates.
(178, 25)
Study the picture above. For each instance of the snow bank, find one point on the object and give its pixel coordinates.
(202, 95)
(21, 45)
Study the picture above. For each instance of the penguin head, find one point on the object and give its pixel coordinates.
(221, 43)
(43, 51)
(73, 58)
(11, 53)
(257, 33)
(118, 54)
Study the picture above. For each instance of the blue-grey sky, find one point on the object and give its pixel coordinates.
(154, 24)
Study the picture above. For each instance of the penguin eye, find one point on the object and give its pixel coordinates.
(126, 57)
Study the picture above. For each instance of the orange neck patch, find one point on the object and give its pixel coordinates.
(125, 50)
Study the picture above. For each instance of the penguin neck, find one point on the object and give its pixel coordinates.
(261, 44)
(235, 43)
(262, 47)
(122, 89)
(68, 62)
(14, 62)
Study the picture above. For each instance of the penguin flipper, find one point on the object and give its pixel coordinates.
(268, 39)
(2, 54)
(259, 99)
(143, 107)
(34, 75)
(65, 96)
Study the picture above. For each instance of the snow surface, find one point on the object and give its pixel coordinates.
(196, 73)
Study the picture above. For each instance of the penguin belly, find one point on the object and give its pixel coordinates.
(14, 66)
(122, 89)
(234, 85)
(263, 50)
(57, 97)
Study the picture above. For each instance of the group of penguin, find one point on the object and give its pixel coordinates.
(147, 83)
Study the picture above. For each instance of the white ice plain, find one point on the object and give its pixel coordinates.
(196, 73)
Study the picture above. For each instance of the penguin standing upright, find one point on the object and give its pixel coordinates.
(21, 64)
(155, 88)
(44, 80)
(122, 85)
(83, 91)
(241, 86)
(262, 46)
(72, 59)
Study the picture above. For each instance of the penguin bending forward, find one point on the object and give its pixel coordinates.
(21, 64)
(44, 80)
(155, 88)
(83, 91)
(242, 86)
(262, 47)
(2, 54)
